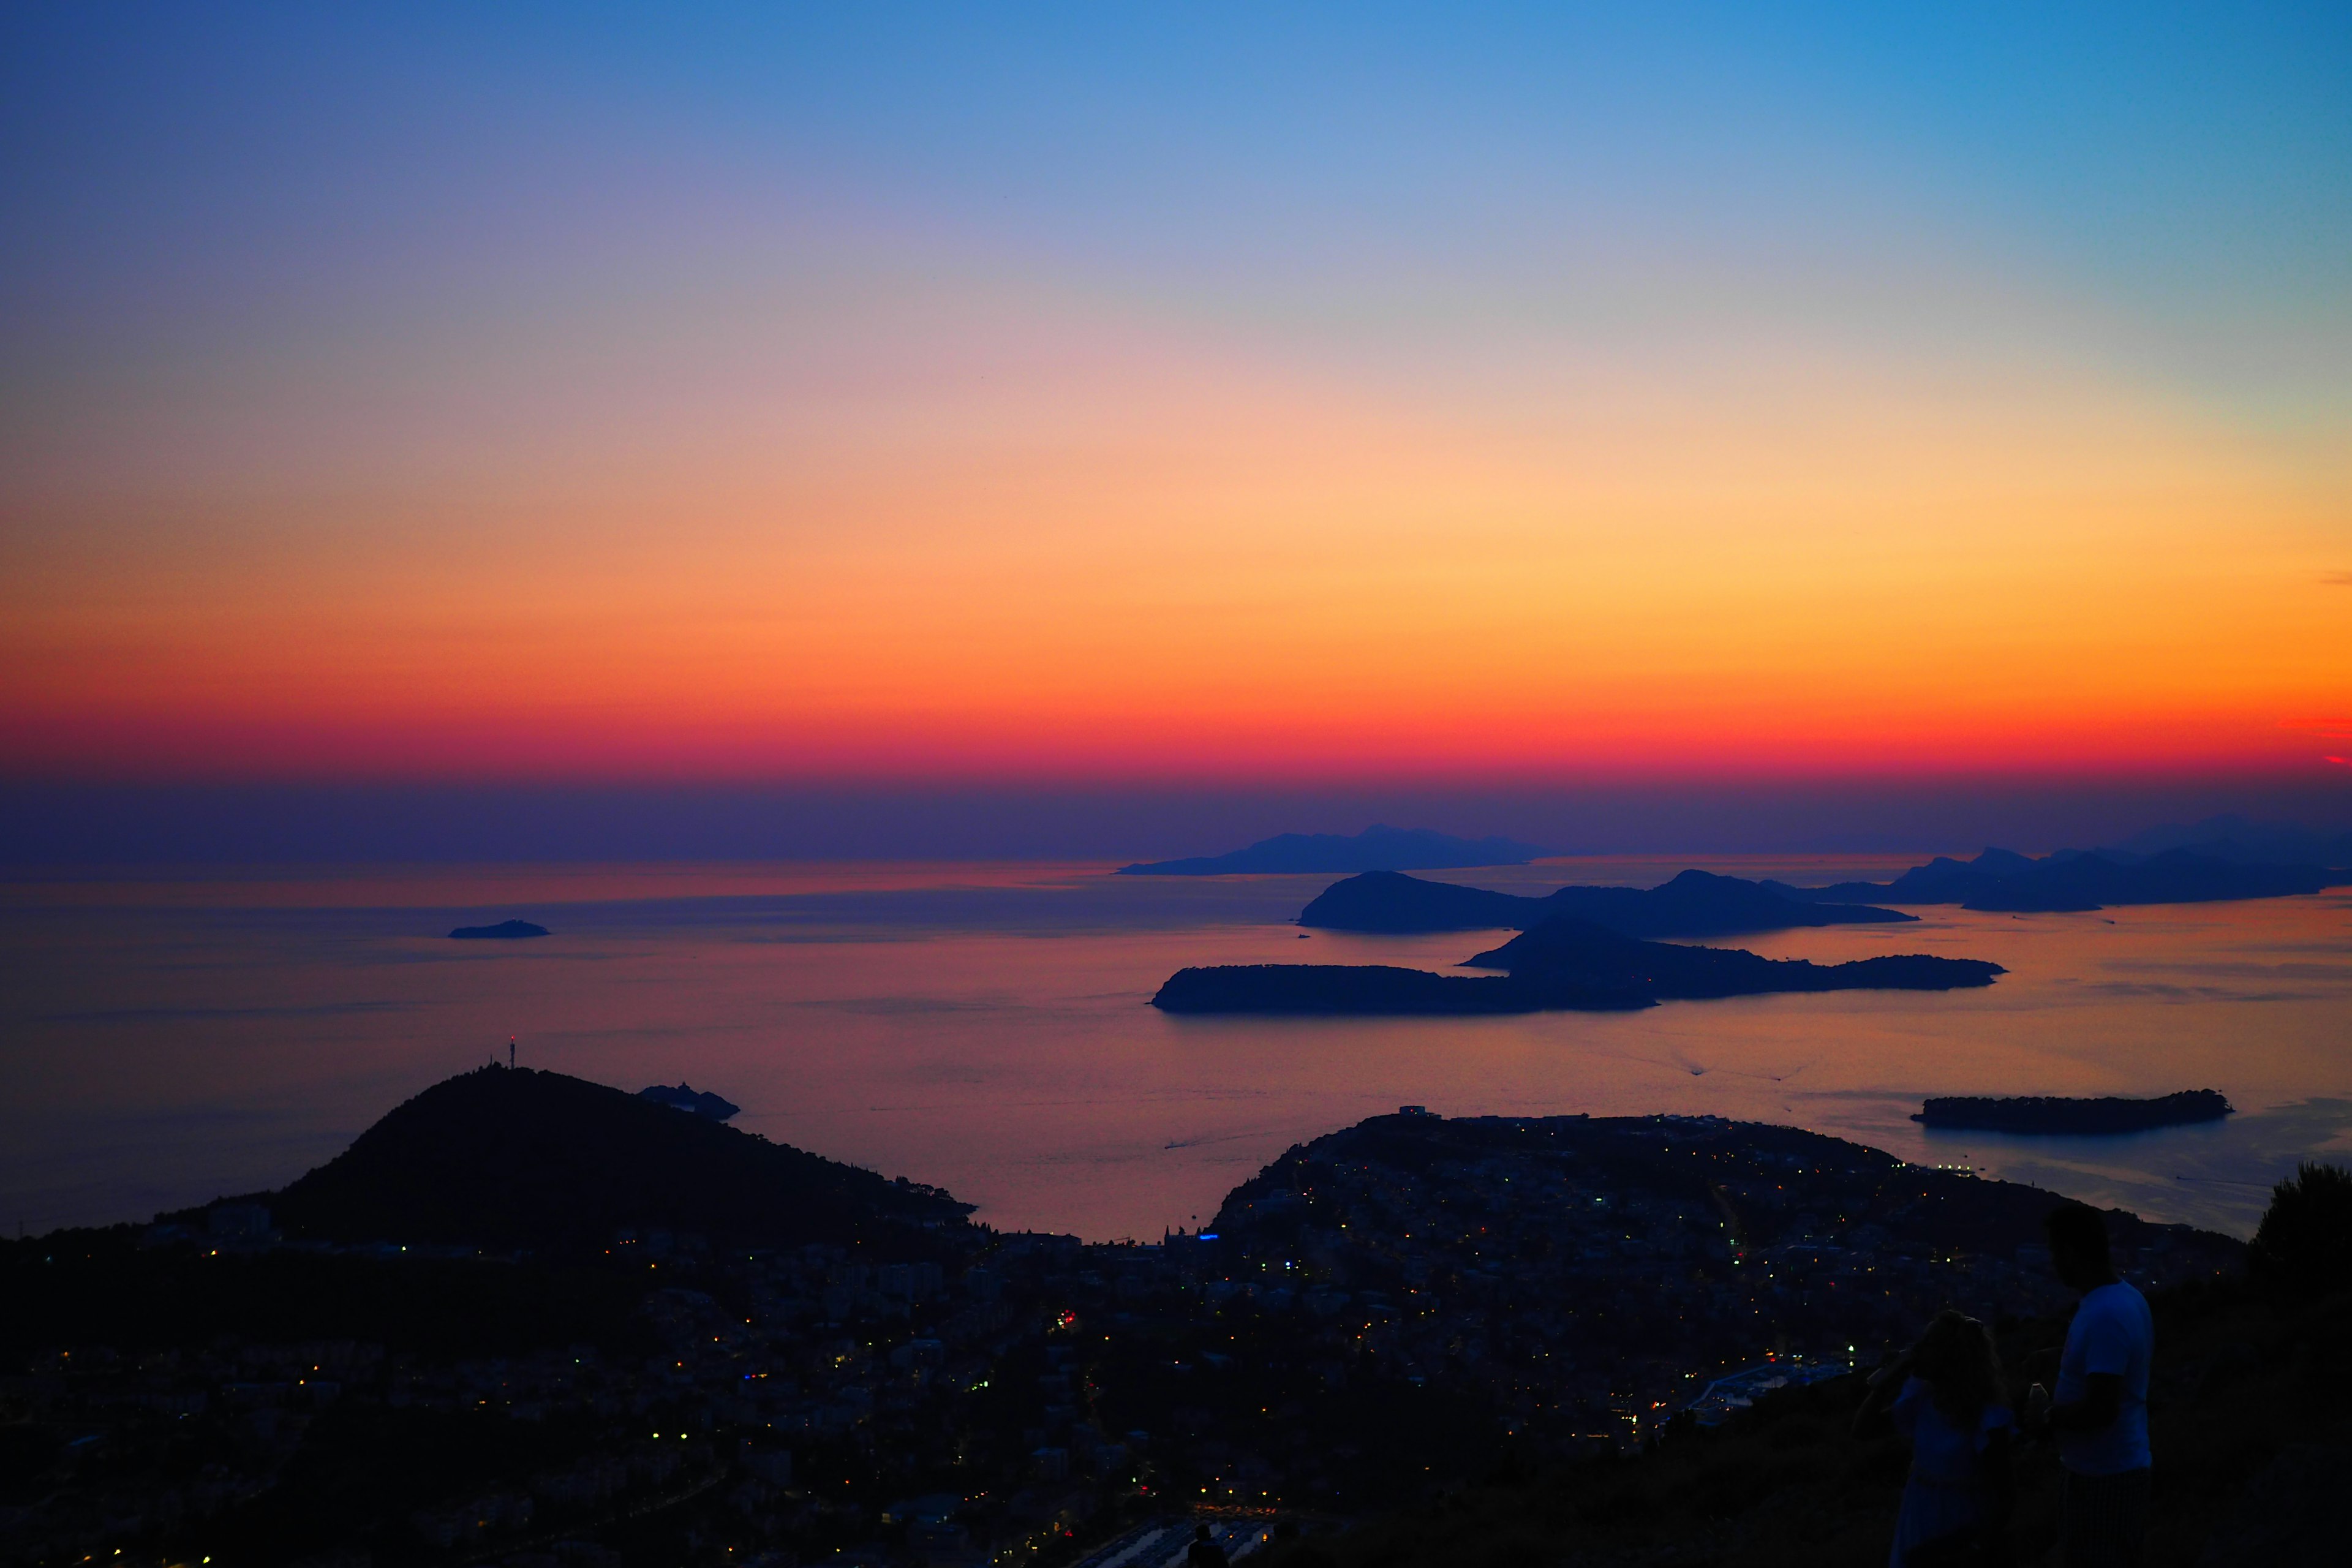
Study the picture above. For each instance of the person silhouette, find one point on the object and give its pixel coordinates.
(2099, 1412)
(1945, 1396)
(1203, 1552)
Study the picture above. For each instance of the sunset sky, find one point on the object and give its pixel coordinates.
(1169, 394)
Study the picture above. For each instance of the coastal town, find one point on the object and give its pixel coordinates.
(1391, 1309)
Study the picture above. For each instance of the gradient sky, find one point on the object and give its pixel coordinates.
(529, 392)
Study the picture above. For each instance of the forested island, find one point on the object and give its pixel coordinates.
(505, 931)
(1696, 903)
(2056, 1114)
(2076, 881)
(1374, 990)
(1562, 964)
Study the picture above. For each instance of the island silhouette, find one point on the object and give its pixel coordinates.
(1563, 964)
(2058, 1114)
(2234, 836)
(2070, 880)
(505, 931)
(1379, 848)
(1695, 903)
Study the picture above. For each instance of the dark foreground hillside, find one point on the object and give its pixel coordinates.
(2251, 1434)
(1417, 1314)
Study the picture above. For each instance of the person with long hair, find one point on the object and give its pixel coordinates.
(1946, 1396)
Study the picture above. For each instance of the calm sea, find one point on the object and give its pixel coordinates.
(983, 1027)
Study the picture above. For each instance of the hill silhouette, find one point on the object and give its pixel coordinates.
(2057, 1114)
(1695, 903)
(516, 1158)
(1373, 990)
(505, 931)
(2072, 880)
(1563, 964)
(2233, 836)
(1574, 953)
(1379, 848)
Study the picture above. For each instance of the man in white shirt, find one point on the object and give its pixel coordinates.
(2100, 1414)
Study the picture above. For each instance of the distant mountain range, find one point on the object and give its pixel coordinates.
(2240, 838)
(1564, 964)
(1377, 848)
(2227, 856)
(1696, 903)
(2001, 880)
(510, 1157)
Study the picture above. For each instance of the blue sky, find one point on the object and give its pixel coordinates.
(929, 392)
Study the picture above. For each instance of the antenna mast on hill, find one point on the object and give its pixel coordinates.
(511, 1053)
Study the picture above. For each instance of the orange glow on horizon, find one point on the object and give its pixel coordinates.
(1034, 546)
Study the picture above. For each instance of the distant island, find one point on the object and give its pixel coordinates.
(505, 931)
(1564, 964)
(684, 1098)
(2053, 1114)
(1373, 990)
(1377, 848)
(1696, 903)
(2076, 881)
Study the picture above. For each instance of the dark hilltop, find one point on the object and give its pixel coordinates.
(513, 1158)
(1696, 903)
(1562, 964)
(1377, 848)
